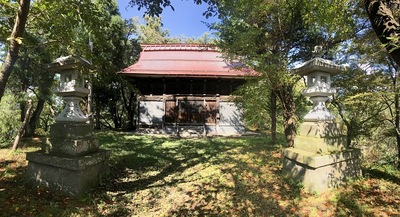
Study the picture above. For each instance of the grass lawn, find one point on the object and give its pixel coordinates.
(166, 176)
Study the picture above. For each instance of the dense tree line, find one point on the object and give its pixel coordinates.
(270, 37)
(96, 32)
(367, 101)
(91, 29)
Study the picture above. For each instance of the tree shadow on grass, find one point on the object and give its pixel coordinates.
(153, 161)
(254, 187)
(154, 176)
(379, 174)
(244, 179)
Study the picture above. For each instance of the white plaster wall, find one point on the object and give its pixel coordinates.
(230, 114)
(151, 113)
(230, 121)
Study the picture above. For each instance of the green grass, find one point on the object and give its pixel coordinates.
(167, 176)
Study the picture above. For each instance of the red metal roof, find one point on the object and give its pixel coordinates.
(183, 60)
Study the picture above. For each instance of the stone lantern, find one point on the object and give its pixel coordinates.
(71, 161)
(320, 158)
(72, 87)
(71, 127)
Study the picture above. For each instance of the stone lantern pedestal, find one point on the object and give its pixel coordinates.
(70, 162)
(320, 159)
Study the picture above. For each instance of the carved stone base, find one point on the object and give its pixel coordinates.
(321, 137)
(319, 129)
(70, 176)
(72, 111)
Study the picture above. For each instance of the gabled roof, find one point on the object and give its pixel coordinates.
(183, 60)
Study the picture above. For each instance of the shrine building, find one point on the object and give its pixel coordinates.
(187, 88)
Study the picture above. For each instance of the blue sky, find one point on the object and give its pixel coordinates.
(186, 19)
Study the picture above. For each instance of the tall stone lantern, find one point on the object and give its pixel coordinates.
(72, 87)
(320, 159)
(71, 161)
(318, 72)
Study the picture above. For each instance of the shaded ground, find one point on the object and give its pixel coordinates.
(163, 176)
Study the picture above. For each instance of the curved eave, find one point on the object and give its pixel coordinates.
(185, 74)
(69, 62)
(321, 65)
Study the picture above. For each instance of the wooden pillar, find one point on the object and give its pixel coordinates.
(191, 87)
(151, 86)
(218, 86)
(164, 107)
(177, 87)
(138, 112)
(164, 86)
(217, 101)
(205, 87)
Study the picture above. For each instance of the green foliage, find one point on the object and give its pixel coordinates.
(368, 97)
(205, 38)
(360, 103)
(8, 10)
(154, 8)
(272, 37)
(114, 96)
(254, 99)
(9, 119)
(72, 22)
(151, 32)
(91, 29)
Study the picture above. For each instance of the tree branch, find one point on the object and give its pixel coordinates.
(385, 26)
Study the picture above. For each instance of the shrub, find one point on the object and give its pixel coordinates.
(9, 119)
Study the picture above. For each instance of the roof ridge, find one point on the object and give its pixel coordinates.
(178, 46)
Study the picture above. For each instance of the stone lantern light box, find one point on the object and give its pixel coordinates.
(71, 82)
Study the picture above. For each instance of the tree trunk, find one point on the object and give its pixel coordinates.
(22, 128)
(349, 126)
(97, 124)
(34, 120)
(273, 116)
(90, 100)
(349, 135)
(128, 103)
(114, 113)
(397, 113)
(290, 128)
(385, 24)
(397, 125)
(285, 94)
(14, 44)
(131, 112)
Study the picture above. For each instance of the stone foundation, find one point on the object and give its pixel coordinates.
(70, 139)
(320, 159)
(319, 173)
(72, 176)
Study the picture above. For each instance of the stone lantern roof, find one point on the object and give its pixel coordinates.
(69, 62)
(321, 65)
